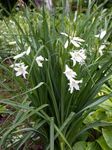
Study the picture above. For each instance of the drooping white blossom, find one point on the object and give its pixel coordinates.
(78, 56)
(27, 52)
(20, 69)
(76, 41)
(39, 60)
(101, 34)
(101, 49)
(69, 73)
(19, 55)
(74, 85)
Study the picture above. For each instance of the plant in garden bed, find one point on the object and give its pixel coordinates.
(60, 72)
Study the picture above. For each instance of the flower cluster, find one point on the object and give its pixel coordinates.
(20, 68)
(73, 83)
(76, 41)
(77, 56)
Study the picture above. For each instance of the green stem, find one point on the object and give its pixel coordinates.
(62, 145)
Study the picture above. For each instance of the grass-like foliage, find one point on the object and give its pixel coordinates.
(59, 65)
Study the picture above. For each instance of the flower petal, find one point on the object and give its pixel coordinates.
(66, 44)
(75, 43)
(19, 55)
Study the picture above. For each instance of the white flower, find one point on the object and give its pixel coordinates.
(27, 52)
(20, 69)
(101, 34)
(69, 73)
(76, 41)
(101, 48)
(19, 55)
(78, 56)
(74, 84)
(39, 60)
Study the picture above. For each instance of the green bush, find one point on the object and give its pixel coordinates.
(60, 66)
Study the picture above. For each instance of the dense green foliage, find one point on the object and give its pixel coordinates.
(42, 109)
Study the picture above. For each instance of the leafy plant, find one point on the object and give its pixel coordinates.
(57, 91)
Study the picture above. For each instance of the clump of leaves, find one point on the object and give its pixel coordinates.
(60, 66)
